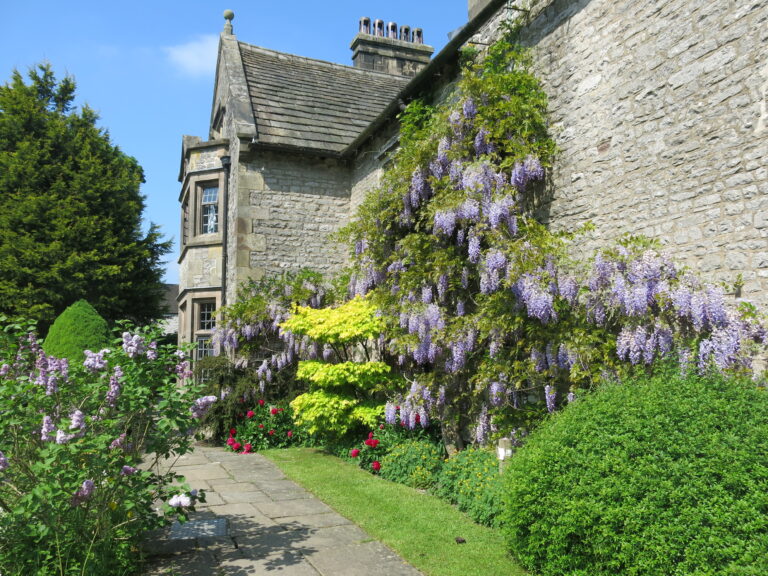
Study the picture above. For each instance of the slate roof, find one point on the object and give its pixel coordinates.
(311, 104)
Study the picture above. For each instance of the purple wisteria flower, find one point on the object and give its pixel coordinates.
(390, 414)
(445, 222)
(483, 425)
(442, 287)
(550, 394)
(538, 302)
(500, 211)
(539, 360)
(201, 406)
(469, 109)
(473, 250)
(95, 361)
(4, 464)
(482, 143)
(497, 393)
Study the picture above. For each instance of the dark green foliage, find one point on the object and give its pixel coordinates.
(70, 210)
(666, 474)
(471, 480)
(76, 329)
(415, 463)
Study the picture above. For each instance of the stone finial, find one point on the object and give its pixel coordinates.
(228, 16)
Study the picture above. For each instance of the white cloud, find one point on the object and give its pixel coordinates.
(195, 58)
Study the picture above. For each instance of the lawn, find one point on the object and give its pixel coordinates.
(420, 527)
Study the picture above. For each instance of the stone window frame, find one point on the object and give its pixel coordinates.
(192, 201)
(204, 325)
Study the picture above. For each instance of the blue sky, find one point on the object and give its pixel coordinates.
(147, 68)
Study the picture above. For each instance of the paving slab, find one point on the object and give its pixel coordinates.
(257, 522)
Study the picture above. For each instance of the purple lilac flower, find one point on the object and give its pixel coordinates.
(127, 471)
(114, 386)
(119, 443)
(77, 419)
(47, 430)
(497, 393)
(201, 406)
(95, 361)
(83, 493)
(133, 345)
(179, 501)
(3, 462)
(550, 394)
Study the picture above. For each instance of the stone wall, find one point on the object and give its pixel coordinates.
(659, 110)
(294, 203)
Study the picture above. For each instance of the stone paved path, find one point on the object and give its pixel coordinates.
(256, 521)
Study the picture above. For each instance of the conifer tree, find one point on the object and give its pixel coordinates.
(70, 210)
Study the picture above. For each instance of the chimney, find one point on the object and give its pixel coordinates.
(389, 49)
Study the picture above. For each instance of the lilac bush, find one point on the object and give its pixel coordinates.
(79, 447)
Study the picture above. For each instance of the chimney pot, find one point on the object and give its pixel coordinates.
(405, 33)
(378, 27)
(418, 36)
(392, 30)
(365, 25)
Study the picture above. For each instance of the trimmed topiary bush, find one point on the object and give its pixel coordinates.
(659, 475)
(415, 463)
(471, 480)
(76, 329)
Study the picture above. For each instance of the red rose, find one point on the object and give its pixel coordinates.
(354, 453)
(418, 418)
(376, 465)
(381, 426)
(230, 441)
(232, 431)
(247, 449)
(370, 434)
(271, 432)
(261, 401)
(273, 411)
(236, 446)
(290, 434)
(250, 414)
(280, 409)
(261, 425)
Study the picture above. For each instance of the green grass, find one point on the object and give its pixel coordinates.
(418, 526)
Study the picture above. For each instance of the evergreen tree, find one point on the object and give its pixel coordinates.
(70, 210)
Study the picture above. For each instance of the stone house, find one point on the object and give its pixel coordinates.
(659, 110)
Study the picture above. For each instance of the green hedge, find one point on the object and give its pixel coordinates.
(661, 475)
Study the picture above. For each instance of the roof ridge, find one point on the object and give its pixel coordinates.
(327, 63)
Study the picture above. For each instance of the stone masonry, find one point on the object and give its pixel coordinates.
(659, 111)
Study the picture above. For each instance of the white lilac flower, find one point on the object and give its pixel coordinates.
(133, 345)
(180, 501)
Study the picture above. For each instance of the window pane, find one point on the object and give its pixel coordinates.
(210, 219)
(210, 195)
(207, 316)
(204, 347)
